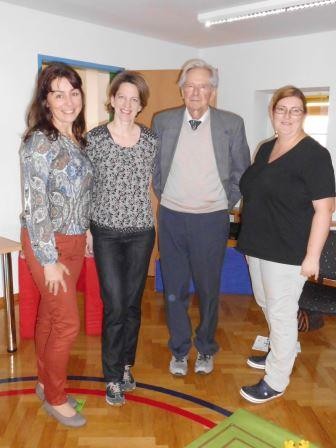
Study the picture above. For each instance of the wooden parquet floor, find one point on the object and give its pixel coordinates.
(152, 418)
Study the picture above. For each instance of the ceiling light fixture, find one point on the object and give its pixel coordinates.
(258, 9)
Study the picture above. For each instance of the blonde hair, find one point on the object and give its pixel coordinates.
(285, 92)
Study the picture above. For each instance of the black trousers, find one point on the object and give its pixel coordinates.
(122, 261)
(192, 245)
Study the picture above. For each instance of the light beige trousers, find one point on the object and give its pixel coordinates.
(277, 288)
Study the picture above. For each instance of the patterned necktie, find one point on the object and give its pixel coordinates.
(194, 124)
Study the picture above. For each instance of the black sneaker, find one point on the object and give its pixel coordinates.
(257, 362)
(114, 394)
(128, 383)
(259, 393)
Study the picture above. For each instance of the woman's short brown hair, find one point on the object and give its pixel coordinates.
(285, 92)
(133, 78)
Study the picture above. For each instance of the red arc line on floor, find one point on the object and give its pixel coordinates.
(137, 399)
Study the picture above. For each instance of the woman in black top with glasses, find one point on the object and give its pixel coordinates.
(288, 200)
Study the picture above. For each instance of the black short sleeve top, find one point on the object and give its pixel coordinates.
(277, 200)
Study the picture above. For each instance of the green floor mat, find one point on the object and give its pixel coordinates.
(244, 429)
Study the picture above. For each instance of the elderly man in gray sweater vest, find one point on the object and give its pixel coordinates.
(202, 155)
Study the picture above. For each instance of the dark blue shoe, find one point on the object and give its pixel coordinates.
(128, 382)
(114, 394)
(257, 362)
(259, 393)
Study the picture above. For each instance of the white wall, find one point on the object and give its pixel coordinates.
(23, 34)
(247, 69)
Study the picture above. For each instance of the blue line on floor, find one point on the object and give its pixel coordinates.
(159, 389)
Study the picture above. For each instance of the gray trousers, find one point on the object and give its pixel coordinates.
(192, 246)
(277, 288)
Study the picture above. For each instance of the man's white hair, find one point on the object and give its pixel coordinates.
(198, 63)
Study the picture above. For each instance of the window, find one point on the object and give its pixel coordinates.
(316, 123)
(95, 78)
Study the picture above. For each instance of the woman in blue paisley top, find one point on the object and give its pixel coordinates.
(122, 153)
(57, 181)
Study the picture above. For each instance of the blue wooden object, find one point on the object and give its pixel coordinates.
(235, 277)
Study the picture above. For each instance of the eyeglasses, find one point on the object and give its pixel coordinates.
(294, 111)
(201, 87)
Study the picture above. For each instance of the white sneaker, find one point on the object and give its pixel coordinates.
(204, 363)
(178, 366)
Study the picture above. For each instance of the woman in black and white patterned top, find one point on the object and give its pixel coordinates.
(122, 153)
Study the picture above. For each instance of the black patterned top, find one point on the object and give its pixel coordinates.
(120, 199)
(56, 183)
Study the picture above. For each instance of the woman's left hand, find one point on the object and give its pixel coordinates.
(310, 267)
(89, 244)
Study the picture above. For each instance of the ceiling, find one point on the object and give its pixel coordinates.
(176, 20)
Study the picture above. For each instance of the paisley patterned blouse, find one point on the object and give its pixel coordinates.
(120, 199)
(57, 183)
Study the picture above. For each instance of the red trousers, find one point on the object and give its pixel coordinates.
(57, 322)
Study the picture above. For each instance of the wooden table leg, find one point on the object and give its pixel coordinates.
(9, 301)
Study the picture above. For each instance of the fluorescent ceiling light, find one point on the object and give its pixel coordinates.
(259, 9)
